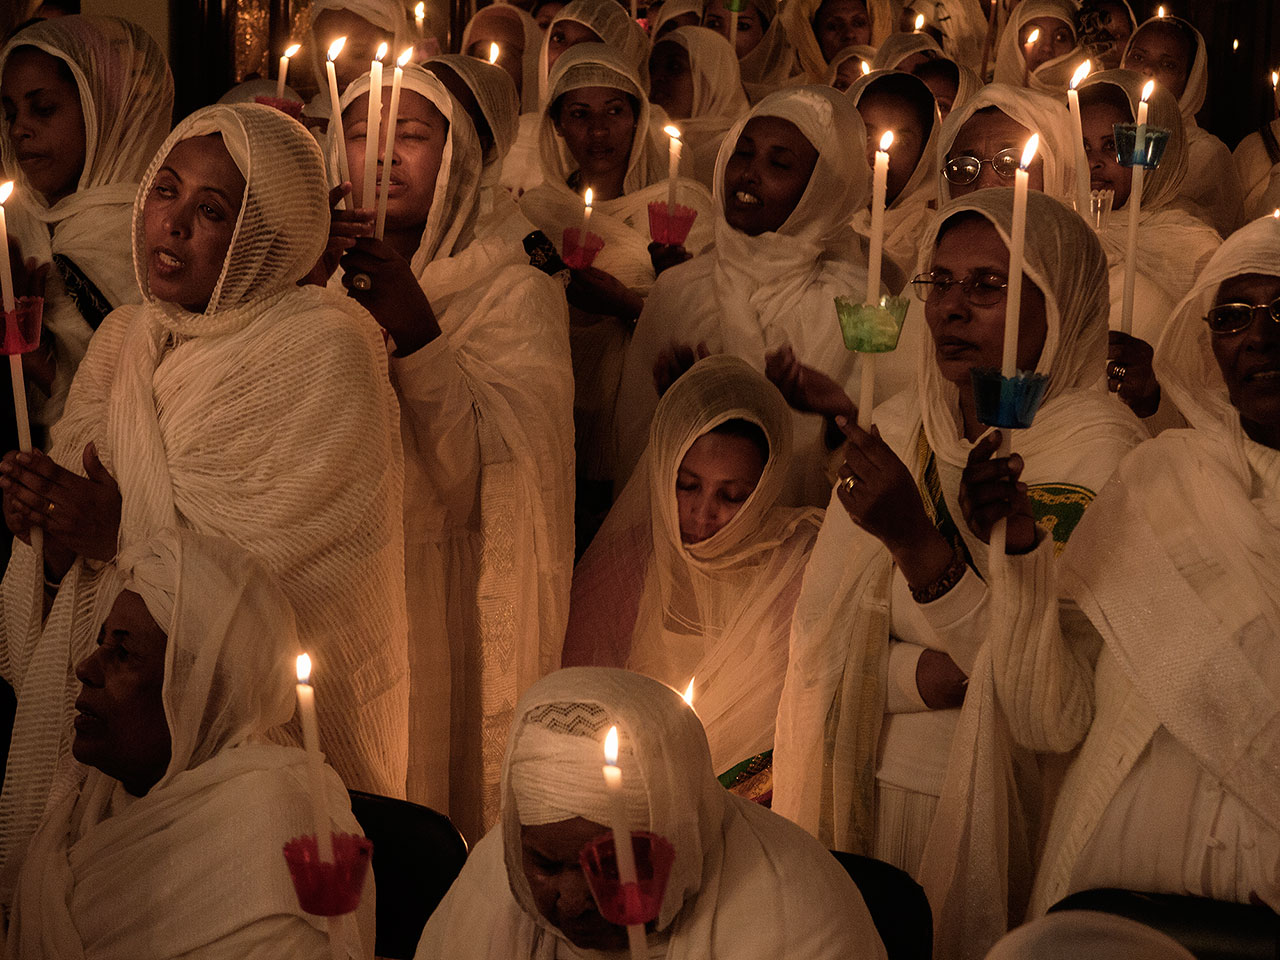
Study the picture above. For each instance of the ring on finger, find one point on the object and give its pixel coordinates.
(50, 508)
(362, 282)
(1118, 370)
(848, 483)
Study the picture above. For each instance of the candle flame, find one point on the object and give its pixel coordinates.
(6, 188)
(1275, 79)
(1032, 37)
(292, 50)
(1147, 89)
(335, 48)
(866, 68)
(304, 668)
(611, 747)
(1082, 71)
(587, 196)
(420, 11)
(1235, 44)
(1029, 153)
(1160, 12)
(687, 696)
(672, 132)
(920, 21)
(404, 57)
(493, 53)
(382, 51)
(886, 141)
(1277, 213)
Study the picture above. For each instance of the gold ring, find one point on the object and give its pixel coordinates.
(1118, 370)
(848, 483)
(362, 282)
(50, 508)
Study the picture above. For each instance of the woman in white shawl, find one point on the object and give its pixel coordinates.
(171, 845)
(480, 363)
(231, 402)
(693, 577)
(886, 717)
(1257, 160)
(365, 24)
(116, 76)
(672, 15)
(819, 29)
(1175, 567)
(1172, 52)
(765, 57)
(744, 883)
(905, 52)
(1048, 63)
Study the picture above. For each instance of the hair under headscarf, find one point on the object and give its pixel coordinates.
(528, 26)
(609, 21)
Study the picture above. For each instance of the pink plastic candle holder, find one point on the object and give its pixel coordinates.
(630, 903)
(292, 107)
(22, 325)
(580, 249)
(328, 889)
(670, 228)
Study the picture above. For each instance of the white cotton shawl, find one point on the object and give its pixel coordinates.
(744, 883)
(1071, 934)
(718, 611)
(609, 21)
(196, 862)
(529, 92)
(964, 28)
(1039, 113)
(719, 99)
(1050, 77)
(388, 15)
(898, 46)
(238, 422)
(797, 19)
(771, 61)
(126, 95)
(1259, 176)
(669, 10)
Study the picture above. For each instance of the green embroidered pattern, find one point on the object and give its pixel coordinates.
(1057, 508)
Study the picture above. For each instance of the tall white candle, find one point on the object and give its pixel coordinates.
(284, 69)
(16, 377)
(622, 836)
(879, 187)
(368, 196)
(420, 19)
(586, 213)
(733, 31)
(1013, 302)
(6, 268)
(1032, 38)
(1134, 207)
(315, 759)
(673, 167)
(1082, 160)
(389, 147)
(335, 116)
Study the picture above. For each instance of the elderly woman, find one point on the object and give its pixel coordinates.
(171, 844)
(745, 883)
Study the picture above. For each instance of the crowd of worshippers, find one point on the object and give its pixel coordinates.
(508, 496)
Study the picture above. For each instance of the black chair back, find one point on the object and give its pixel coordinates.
(897, 904)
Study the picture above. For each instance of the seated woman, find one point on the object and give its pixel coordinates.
(230, 402)
(765, 58)
(848, 66)
(1175, 245)
(889, 680)
(170, 844)
(787, 186)
(1047, 62)
(1257, 161)
(693, 76)
(672, 15)
(480, 364)
(1103, 28)
(1169, 687)
(1171, 51)
(905, 52)
(365, 24)
(695, 572)
(950, 83)
(744, 882)
(819, 29)
(76, 179)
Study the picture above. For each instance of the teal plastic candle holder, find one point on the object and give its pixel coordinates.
(1148, 153)
(22, 326)
(1009, 403)
(872, 327)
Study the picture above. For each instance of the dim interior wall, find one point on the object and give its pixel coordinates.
(152, 15)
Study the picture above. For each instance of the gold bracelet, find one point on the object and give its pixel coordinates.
(949, 578)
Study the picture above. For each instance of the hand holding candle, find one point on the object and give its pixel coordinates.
(368, 196)
(389, 148)
(1082, 161)
(284, 69)
(622, 837)
(335, 116)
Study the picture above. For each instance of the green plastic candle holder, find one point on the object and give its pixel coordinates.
(872, 327)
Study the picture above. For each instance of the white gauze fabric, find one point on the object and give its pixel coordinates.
(126, 95)
(1070, 934)
(898, 46)
(771, 61)
(964, 29)
(797, 19)
(388, 15)
(719, 99)
(669, 10)
(1051, 77)
(532, 34)
(609, 21)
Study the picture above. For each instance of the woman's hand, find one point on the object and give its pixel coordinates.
(345, 227)
(941, 684)
(990, 490)
(594, 291)
(806, 389)
(30, 277)
(381, 281)
(666, 255)
(80, 514)
(672, 363)
(1129, 373)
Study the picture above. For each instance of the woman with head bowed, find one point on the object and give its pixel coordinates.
(170, 843)
(765, 56)
(1046, 62)
(744, 882)
(87, 100)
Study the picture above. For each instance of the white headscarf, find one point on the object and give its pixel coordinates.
(1070, 934)
(718, 97)
(495, 94)
(964, 28)
(609, 21)
(898, 46)
(797, 19)
(671, 9)
(388, 15)
(528, 56)
(771, 60)
(1197, 87)
(1011, 57)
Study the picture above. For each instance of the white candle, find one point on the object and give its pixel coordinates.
(284, 69)
(16, 377)
(622, 836)
(335, 116)
(494, 52)
(368, 196)
(1135, 210)
(586, 213)
(673, 167)
(315, 759)
(635, 12)
(420, 18)
(1032, 38)
(733, 31)
(1013, 302)
(6, 268)
(389, 148)
(879, 187)
(1082, 160)
(919, 22)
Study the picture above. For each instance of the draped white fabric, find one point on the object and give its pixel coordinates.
(898, 46)
(390, 16)
(1069, 934)
(616, 30)
(770, 61)
(718, 96)
(529, 53)
(744, 883)
(1259, 174)
(1050, 77)
(797, 19)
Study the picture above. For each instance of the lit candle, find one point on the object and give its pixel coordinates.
(1032, 38)
(369, 196)
(1082, 161)
(10, 303)
(867, 379)
(420, 18)
(1135, 209)
(919, 22)
(687, 696)
(586, 212)
(335, 116)
(622, 836)
(389, 147)
(866, 68)
(494, 53)
(673, 167)
(1013, 303)
(284, 69)
(1160, 12)
(1275, 79)
(315, 759)
(6, 268)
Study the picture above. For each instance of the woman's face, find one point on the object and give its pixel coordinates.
(546, 13)
(766, 175)
(565, 34)
(984, 135)
(1159, 51)
(967, 336)
(882, 112)
(1250, 360)
(943, 88)
(188, 220)
(847, 73)
(421, 132)
(45, 121)
(1097, 121)
(598, 125)
(671, 79)
(839, 24)
(120, 726)
(560, 891)
(1057, 38)
(751, 25)
(717, 475)
(506, 33)
(363, 39)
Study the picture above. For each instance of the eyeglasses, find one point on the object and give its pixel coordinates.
(965, 169)
(980, 289)
(1234, 317)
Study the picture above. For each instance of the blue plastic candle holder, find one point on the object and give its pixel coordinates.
(1148, 153)
(1009, 403)
(872, 327)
